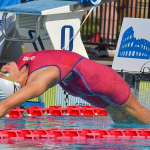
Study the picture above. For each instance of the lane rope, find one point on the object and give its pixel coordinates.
(34, 134)
(58, 111)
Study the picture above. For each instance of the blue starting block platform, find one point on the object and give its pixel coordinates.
(40, 7)
(46, 7)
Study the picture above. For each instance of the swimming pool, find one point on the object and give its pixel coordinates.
(65, 122)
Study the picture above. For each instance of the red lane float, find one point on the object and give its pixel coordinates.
(58, 111)
(16, 112)
(34, 134)
(35, 111)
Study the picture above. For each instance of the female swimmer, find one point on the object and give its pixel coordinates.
(98, 84)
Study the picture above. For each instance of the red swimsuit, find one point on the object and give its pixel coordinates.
(95, 83)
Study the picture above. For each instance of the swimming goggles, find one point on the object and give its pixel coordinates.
(8, 75)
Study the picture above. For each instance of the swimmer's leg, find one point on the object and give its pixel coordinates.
(139, 113)
(131, 111)
(107, 83)
(118, 94)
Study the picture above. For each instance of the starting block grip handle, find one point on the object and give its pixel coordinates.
(20, 39)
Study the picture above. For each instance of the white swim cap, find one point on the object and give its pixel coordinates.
(7, 88)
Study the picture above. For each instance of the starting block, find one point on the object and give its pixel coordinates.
(49, 24)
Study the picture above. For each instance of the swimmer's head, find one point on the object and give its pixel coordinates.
(7, 87)
(13, 70)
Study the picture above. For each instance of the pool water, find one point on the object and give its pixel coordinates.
(70, 122)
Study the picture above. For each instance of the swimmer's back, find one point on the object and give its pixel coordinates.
(64, 60)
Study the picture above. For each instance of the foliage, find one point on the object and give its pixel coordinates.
(88, 30)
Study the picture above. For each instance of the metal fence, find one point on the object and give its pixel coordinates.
(103, 25)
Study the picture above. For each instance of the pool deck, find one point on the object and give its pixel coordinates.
(102, 60)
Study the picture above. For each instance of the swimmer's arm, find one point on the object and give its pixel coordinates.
(33, 89)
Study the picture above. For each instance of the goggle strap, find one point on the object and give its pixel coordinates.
(9, 77)
(15, 87)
